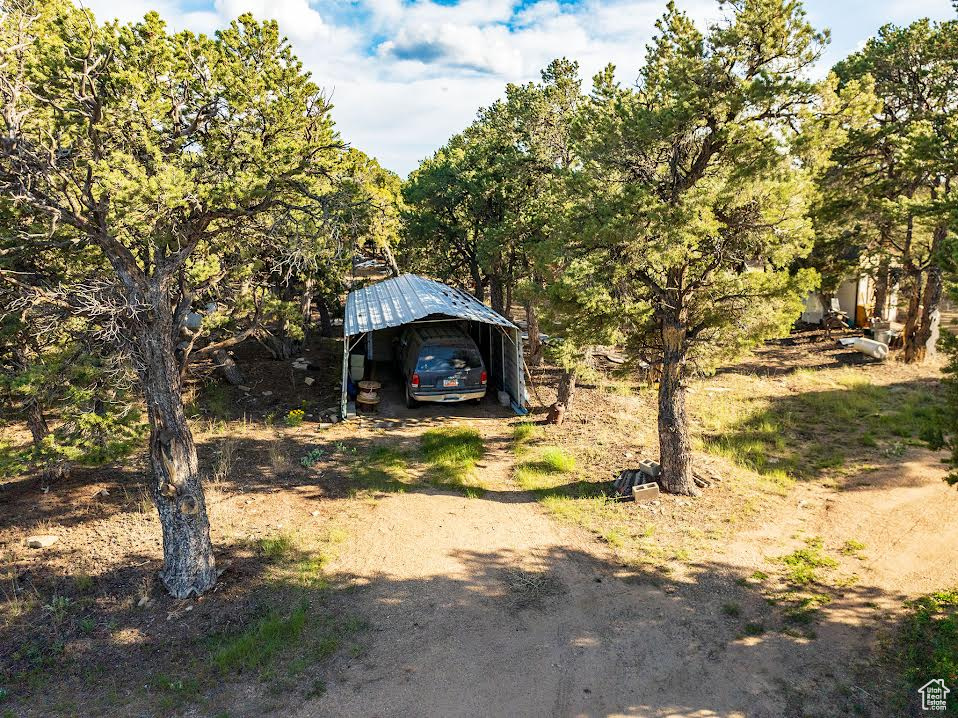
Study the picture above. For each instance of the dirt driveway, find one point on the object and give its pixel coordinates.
(488, 606)
(534, 594)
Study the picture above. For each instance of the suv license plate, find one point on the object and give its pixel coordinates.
(450, 382)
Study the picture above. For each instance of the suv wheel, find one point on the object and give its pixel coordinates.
(410, 402)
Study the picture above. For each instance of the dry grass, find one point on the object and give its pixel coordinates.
(279, 459)
(761, 432)
(530, 589)
(223, 464)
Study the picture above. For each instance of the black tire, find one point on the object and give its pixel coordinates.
(410, 402)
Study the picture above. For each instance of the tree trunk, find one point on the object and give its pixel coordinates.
(509, 298)
(306, 309)
(478, 285)
(926, 338)
(912, 318)
(36, 421)
(881, 291)
(325, 320)
(390, 260)
(675, 451)
(497, 294)
(532, 327)
(926, 335)
(228, 367)
(189, 568)
(566, 393)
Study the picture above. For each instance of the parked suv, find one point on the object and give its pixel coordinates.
(440, 363)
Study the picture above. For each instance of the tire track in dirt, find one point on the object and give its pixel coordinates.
(442, 579)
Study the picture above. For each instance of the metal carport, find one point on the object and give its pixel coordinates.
(410, 299)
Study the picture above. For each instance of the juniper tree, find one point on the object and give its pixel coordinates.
(152, 154)
(898, 172)
(690, 205)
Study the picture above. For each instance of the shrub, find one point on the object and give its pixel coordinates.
(294, 417)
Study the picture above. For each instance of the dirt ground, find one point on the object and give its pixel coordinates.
(495, 602)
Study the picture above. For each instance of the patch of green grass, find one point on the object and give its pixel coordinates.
(277, 548)
(541, 471)
(803, 609)
(753, 629)
(852, 548)
(310, 571)
(525, 431)
(928, 642)
(83, 582)
(384, 469)
(809, 433)
(216, 402)
(614, 537)
(733, 610)
(452, 454)
(590, 513)
(255, 647)
(13, 459)
(618, 387)
(175, 692)
(802, 565)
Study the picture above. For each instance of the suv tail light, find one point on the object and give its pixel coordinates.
(414, 382)
(483, 378)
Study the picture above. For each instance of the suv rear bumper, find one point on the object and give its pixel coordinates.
(449, 397)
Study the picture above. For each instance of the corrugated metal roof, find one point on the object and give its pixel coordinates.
(405, 299)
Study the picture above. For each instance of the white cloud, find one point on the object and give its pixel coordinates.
(406, 75)
(481, 49)
(296, 18)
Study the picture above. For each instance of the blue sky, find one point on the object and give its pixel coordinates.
(405, 75)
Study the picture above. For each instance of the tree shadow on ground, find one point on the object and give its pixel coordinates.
(509, 632)
(802, 350)
(840, 432)
(31, 502)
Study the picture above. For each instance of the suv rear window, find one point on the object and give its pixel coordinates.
(448, 359)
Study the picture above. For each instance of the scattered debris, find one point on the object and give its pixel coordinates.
(705, 477)
(309, 381)
(227, 367)
(650, 468)
(529, 589)
(42, 540)
(556, 414)
(645, 492)
(627, 479)
(870, 347)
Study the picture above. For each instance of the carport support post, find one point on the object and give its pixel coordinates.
(502, 347)
(343, 399)
(343, 393)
